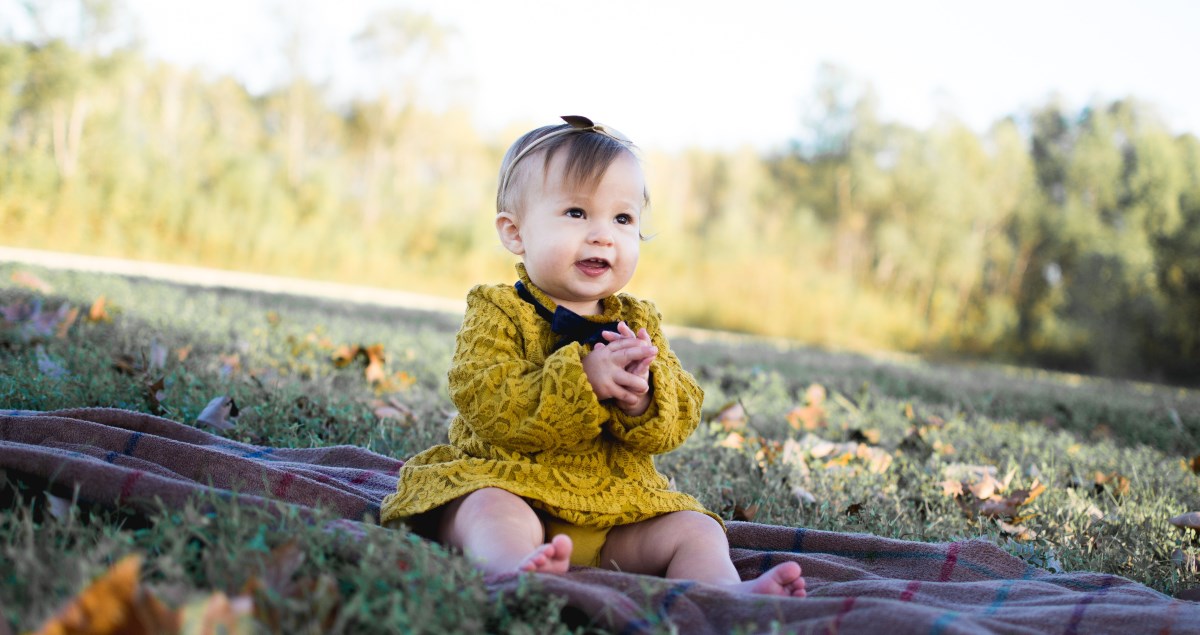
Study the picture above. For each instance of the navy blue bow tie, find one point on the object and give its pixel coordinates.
(569, 325)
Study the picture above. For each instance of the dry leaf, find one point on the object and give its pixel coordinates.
(392, 409)
(68, 319)
(746, 513)
(1184, 560)
(114, 603)
(183, 352)
(156, 393)
(59, 508)
(375, 361)
(854, 509)
(1019, 532)
(1115, 483)
(344, 355)
(985, 487)
(98, 312)
(30, 281)
(952, 487)
(733, 441)
(732, 417)
(218, 614)
(220, 413)
(1190, 520)
(908, 412)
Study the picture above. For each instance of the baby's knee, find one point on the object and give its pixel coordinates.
(492, 502)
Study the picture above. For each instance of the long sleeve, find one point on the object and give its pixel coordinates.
(674, 410)
(511, 401)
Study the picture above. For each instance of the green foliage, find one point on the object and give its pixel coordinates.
(1057, 239)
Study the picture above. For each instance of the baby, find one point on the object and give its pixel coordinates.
(566, 388)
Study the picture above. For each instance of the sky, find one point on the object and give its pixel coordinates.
(726, 73)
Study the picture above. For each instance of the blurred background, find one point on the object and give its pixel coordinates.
(1017, 182)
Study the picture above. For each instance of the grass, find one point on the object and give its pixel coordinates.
(1115, 458)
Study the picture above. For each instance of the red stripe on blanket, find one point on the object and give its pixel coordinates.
(129, 482)
(910, 590)
(362, 477)
(847, 606)
(948, 565)
(1172, 609)
(281, 488)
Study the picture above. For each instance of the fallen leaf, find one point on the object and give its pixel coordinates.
(344, 355)
(1184, 560)
(815, 394)
(114, 603)
(156, 393)
(30, 281)
(392, 409)
(183, 352)
(1115, 483)
(854, 509)
(732, 416)
(59, 508)
(399, 382)
(219, 614)
(68, 320)
(908, 412)
(733, 441)
(985, 487)
(865, 436)
(47, 365)
(1019, 532)
(746, 513)
(951, 487)
(98, 312)
(375, 361)
(220, 413)
(768, 452)
(1190, 520)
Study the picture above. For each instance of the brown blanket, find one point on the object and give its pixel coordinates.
(856, 582)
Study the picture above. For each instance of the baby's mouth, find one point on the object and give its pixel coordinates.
(593, 266)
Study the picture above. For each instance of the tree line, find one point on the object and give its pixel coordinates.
(1061, 238)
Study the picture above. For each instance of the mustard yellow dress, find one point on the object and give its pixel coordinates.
(529, 422)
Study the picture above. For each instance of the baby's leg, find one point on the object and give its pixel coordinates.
(691, 546)
(502, 534)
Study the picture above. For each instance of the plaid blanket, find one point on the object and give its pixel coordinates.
(856, 582)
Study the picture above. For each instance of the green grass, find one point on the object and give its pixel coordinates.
(273, 354)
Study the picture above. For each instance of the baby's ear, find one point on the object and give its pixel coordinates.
(510, 233)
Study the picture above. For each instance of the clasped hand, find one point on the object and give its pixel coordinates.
(619, 368)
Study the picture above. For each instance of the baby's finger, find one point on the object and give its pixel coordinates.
(643, 335)
(611, 336)
(624, 329)
(632, 383)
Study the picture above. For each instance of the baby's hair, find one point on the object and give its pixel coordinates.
(590, 148)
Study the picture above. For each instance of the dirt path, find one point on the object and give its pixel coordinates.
(220, 278)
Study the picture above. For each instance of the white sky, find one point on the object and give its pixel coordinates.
(671, 73)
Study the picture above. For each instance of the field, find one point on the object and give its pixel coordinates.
(1067, 472)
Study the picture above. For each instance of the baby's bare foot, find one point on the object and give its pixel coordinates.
(783, 579)
(552, 557)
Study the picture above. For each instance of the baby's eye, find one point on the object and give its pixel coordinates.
(575, 212)
(624, 219)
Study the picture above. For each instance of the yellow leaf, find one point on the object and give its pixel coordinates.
(732, 416)
(98, 312)
(114, 603)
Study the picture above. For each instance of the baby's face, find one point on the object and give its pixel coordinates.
(581, 245)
